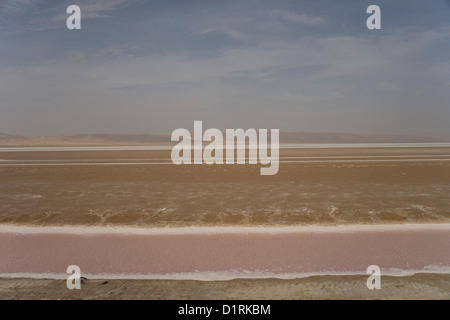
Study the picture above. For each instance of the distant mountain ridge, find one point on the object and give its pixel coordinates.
(8, 140)
(82, 139)
(338, 137)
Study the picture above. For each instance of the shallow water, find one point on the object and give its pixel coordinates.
(398, 185)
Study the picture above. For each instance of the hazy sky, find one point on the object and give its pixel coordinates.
(154, 66)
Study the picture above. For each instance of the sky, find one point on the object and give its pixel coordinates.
(154, 66)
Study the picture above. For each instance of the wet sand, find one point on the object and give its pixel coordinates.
(418, 286)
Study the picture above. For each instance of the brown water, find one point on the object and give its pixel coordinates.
(313, 186)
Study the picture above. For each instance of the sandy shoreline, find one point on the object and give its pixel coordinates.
(227, 276)
(163, 146)
(417, 286)
(99, 230)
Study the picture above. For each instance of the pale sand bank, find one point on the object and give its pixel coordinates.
(418, 286)
(123, 230)
(157, 147)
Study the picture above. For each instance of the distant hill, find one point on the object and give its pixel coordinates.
(7, 140)
(82, 139)
(304, 137)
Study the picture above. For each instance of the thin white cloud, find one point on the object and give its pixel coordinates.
(18, 6)
(97, 8)
(45, 17)
(235, 23)
(298, 18)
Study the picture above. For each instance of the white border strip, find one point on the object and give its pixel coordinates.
(282, 146)
(124, 230)
(225, 275)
